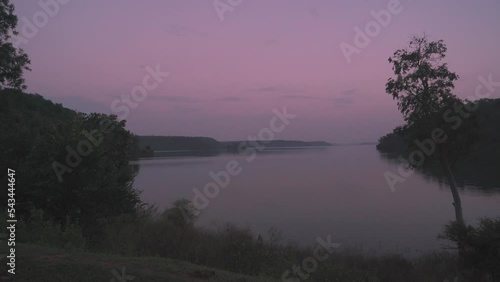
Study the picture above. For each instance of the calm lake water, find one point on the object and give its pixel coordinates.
(339, 191)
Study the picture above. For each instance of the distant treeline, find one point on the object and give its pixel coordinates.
(480, 163)
(184, 143)
(278, 144)
(172, 143)
(487, 146)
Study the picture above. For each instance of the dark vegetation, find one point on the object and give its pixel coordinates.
(149, 233)
(13, 61)
(442, 130)
(478, 165)
(36, 134)
(481, 247)
(280, 143)
(201, 146)
(171, 143)
(44, 264)
(485, 149)
(95, 209)
(74, 191)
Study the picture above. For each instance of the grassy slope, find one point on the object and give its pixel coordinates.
(42, 264)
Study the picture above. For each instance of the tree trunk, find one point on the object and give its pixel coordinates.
(457, 203)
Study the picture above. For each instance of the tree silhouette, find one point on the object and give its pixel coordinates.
(13, 60)
(422, 88)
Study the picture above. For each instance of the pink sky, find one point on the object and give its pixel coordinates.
(227, 76)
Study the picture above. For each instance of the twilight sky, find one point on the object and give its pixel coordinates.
(227, 75)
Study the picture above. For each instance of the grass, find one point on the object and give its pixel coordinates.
(43, 264)
(163, 249)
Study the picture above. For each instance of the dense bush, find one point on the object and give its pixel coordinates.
(37, 137)
(39, 229)
(481, 247)
(151, 233)
(392, 143)
(166, 234)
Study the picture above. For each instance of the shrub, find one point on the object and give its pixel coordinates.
(39, 230)
(481, 246)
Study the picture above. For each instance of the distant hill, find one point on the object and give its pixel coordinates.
(178, 143)
(355, 144)
(280, 144)
(184, 143)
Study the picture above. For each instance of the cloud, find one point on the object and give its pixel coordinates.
(173, 99)
(289, 96)
(346, 97)
(229, 99)
(266, 89)
(179, 30)
(184, 109)
(277, 89)
(272, 41)
(349, 92)
(343, 100)
(314, 12)
(187, 99)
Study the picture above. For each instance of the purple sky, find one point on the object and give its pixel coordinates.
(227, 76)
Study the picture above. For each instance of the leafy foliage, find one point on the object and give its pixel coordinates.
(13, 61)
(37, 133)
(100, 185)
(228, 247)
(477, 164)
(393, 142)
(481, 245)
(40, 230)
(422, 88)
(423, 84)
(23, 118)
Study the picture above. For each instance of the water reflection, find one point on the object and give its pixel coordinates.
(471, 177)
